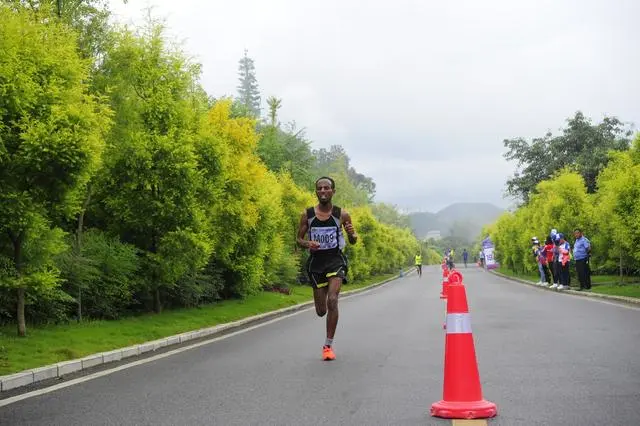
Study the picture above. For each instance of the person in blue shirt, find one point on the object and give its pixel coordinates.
(581, 255)
(465, 256)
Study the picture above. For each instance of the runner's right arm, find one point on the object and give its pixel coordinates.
(303, 227)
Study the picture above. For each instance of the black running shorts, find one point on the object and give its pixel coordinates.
(320, 269)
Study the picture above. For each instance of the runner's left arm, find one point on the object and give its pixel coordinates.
(348, 226)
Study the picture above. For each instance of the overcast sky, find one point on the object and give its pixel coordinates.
(420, 93)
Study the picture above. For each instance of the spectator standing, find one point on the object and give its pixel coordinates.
(537, 254)
(582, 254)
(548, 252)
(564, 256)
(555, 259)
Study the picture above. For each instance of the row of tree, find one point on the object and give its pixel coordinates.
(588, 178)
(125, 188)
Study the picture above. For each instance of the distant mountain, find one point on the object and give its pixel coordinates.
(464, 220)
(423, 222)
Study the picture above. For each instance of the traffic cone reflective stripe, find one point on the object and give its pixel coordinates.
(458, 324)
(455, 278)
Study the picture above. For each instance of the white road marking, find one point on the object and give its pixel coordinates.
(103, 373)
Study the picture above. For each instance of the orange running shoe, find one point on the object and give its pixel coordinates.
(327, 353)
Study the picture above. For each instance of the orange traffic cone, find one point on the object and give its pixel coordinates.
(462, 397)
(445, 282)
(454, 278)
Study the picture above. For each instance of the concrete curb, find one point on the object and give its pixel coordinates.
(61, 369)
(623, 299)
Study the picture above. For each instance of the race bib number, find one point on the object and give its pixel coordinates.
(326, 236)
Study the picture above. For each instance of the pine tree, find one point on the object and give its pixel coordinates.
(274, 105)
(248, 92)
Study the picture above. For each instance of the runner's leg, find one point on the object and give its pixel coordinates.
(332, 305)
(320, 300)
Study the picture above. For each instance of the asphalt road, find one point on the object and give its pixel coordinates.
(544, 359)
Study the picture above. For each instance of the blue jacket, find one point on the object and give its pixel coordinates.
(581, 248)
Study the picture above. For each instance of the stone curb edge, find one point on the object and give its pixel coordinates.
(59, 370)
(630, 300)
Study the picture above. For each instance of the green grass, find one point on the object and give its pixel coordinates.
(51, 344)
(510, 273)
(627, 290)
(603, 284)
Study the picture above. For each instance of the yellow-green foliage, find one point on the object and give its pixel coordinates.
(155, 166)
(610, 218)
(380, 249)
(431, 257)
(561, 203)
(617, 208)
(258, 212)
(247, 209)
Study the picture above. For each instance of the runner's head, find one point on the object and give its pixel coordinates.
(325, 188)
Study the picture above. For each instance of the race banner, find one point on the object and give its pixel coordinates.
(489, 258)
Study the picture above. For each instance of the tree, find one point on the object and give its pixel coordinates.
(582, 146)
(89, 19)
(355, 188)
(246, 208)
(381, 248)
(274, 105)
(362, 183)
(389, 215)
(149, 195)
(617, 211)
(287, 150)
(103, 271)
(248, 92)
(171, 205)
(561, 203)
(50, 140)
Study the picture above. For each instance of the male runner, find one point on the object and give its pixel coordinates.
(419, 264)
(327, 264)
